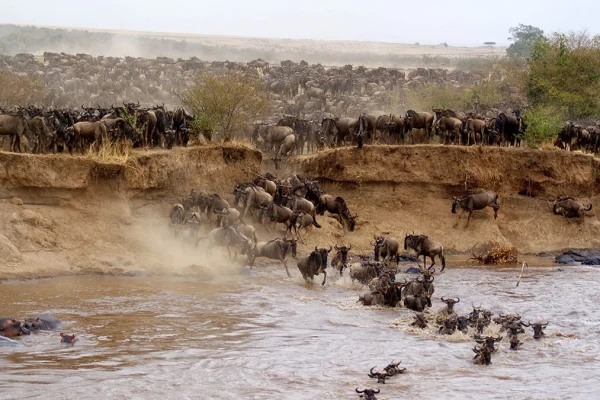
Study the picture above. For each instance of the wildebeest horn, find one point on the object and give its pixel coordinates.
(337, 247)
(124, 103)
(444, 300)
(371, 370)
(316, 248)
(138, 103)
(457, 300)
(83, 107)
(431, 268)
(372, 244)
(376, 392)
(498, 338)
(359, 391)
(545, 325)
(350, 248)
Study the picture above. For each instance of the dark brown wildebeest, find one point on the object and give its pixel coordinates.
(314, 264)
(483, 356)
(475, 202)
(340, 260)
(199, 200)
(386, 248)
(568, 207)
(276, 214)
(297, 203)
(368, 394)
(450, 130)
(418, 302)
(395, 126)
(538, 328)
(276, 249)
(415, 120)
(84, 132)
(489, 342)
(425, 247)
(448, 325)
(450, 302)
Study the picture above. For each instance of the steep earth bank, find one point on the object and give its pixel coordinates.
(74, 215)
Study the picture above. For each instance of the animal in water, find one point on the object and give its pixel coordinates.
(420, 321)
(538, 329)
(426, 247)
(314, 264)
(70, 339)
(10, 327)
(450, 302)
(340, 260)
(368, 394)
(44, 322)
(276, 249)
(483, 355)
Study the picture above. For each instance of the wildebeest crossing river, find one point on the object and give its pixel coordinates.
(258, 335)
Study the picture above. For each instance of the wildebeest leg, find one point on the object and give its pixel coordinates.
(462, 211)
(324, 277)
(565, 215)
(432, 261)
(469, 218)
(286, 268)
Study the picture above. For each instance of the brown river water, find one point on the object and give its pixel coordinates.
(259, 335)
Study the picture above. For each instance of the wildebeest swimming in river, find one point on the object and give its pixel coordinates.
(474, 202)
(426, 247)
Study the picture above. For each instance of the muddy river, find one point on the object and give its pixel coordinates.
(259, 335)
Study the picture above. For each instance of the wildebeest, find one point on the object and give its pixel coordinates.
(420, 321)
(418, 302)
(286, 148)
(268, 185)
(340, 260)
(192, 224)
(228, 216)
(251, 196)
(483, 356)
(426, 247)
(474, 202)
(227, 237)
(276, 249)
(372, 299)
(368, 394)
(568, 207)
(363, 273)
(489, 342)
(297, 203)
(16, 127)
(386, 248)
(247, 230)
(421, 120)
(215, 202)
(314, 264)
(538, 329)
(177, 216)
(298, 221)
(276, 214)
(337, 206)
(199, 200)
(448, 325)
(450, 302)
(86, 131)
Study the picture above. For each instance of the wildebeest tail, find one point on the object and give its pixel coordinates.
(315, 223)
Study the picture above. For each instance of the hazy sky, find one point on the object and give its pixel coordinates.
(466, 22)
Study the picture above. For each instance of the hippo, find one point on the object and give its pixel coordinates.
(4, 341)
(10, 327)
(44, 322)
(70, 339)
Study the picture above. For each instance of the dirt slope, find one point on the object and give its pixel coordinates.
(401, 189)
(71, 215)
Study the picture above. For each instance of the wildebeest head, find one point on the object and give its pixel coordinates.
(368, 394)
(483, 355)
(377, 245)
(324, 253)
(455, 202)
(515, 343)
(538, 329)
(450, 302)
(351, 219)
(343, 251)
(474, 315)
(489, 342)
(448, 325)
(380, 375)
(462, 323)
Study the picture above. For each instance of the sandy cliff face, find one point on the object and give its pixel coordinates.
(70, 215)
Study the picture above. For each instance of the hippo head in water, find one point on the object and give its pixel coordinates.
(42, 323)
(10, 327)
(70, 339)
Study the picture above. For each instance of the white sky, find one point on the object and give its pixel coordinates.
(457, 22)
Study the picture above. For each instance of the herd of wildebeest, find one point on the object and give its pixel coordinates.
(321, 106)
(295, 205)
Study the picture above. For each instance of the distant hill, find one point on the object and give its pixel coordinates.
(30, 39)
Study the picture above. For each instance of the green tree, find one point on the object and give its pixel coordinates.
(564, 73)
(523, 38)
(226, 102)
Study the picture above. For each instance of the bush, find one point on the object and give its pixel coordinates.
(225, 103)
(543, 125)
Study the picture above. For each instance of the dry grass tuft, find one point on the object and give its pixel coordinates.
(116, 152)
(483, 177)
(497, 255)
(240, 142)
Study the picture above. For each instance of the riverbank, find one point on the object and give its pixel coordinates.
(63, 215)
